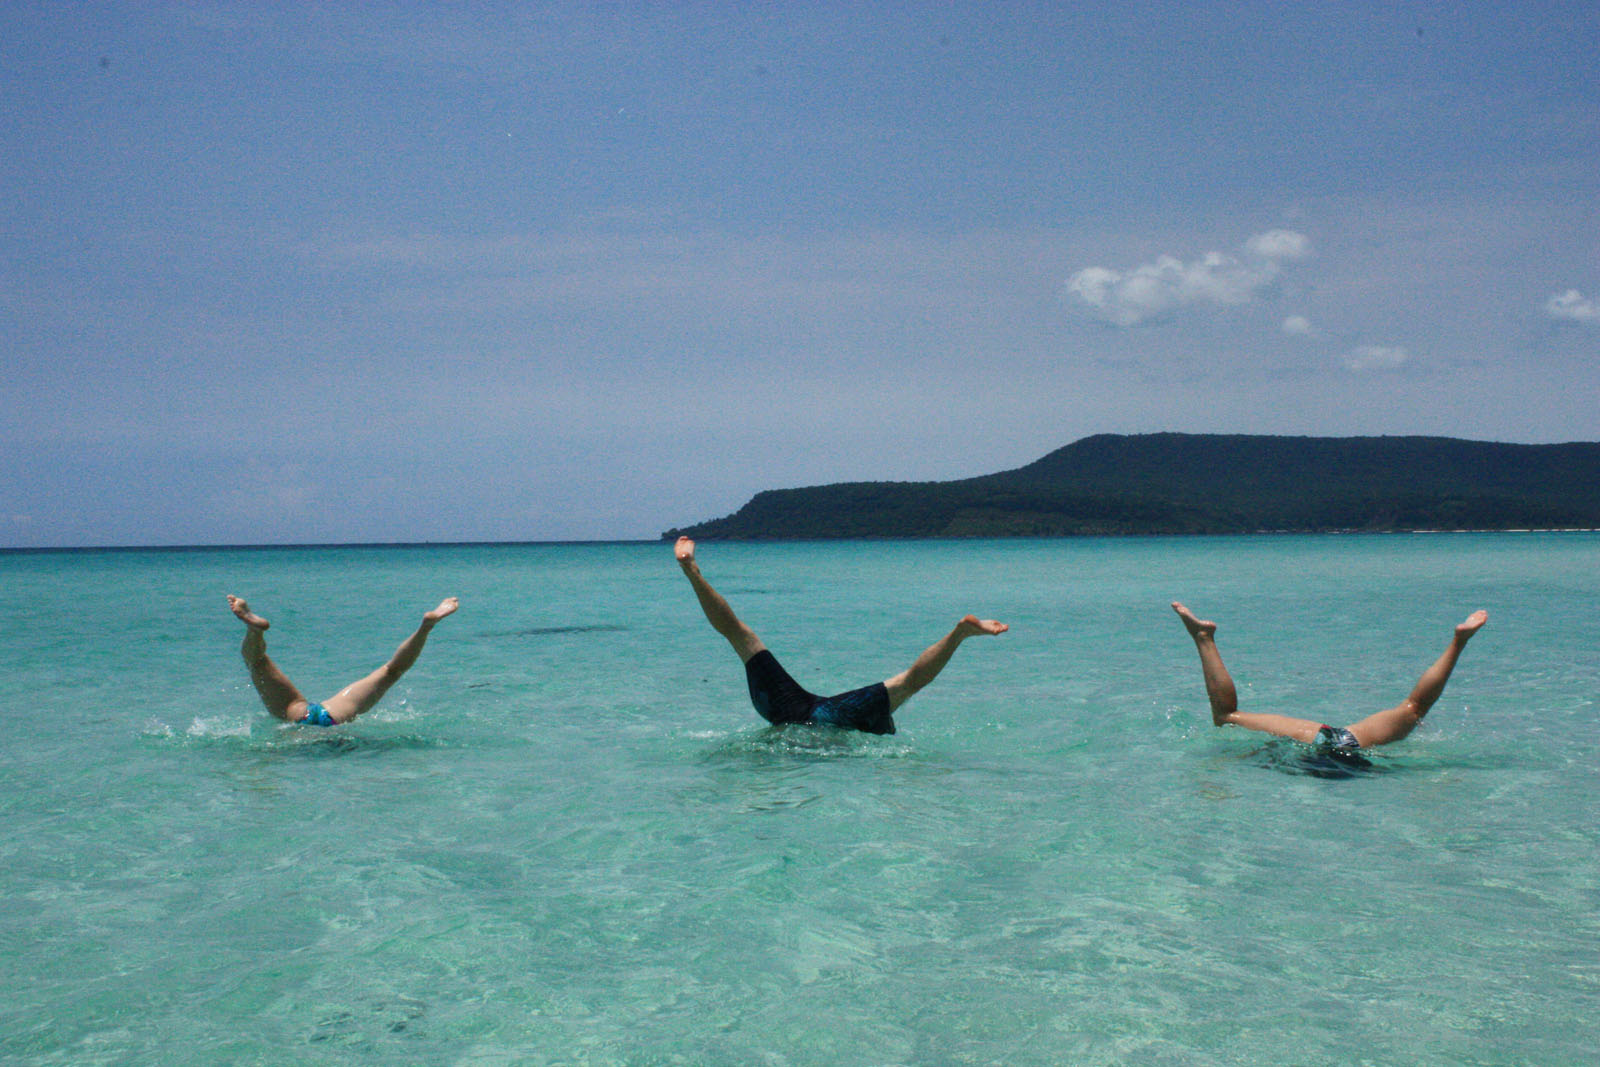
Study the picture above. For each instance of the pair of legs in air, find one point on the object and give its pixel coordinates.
(286, 702)
(779, 699)
(1378, 729)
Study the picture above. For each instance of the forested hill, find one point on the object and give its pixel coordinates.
(1170, 483)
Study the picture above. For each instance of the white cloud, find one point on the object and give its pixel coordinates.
(1154, 290)
(1279, 244)
(1375, 357)
(1298, 326)
(1572, 306)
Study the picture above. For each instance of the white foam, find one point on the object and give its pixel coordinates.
(218, 726)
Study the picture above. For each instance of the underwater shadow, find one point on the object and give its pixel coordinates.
(347, 745)
(553, 631)
(771, 769)
(1306, 761)
(803, 742)
(292, 742)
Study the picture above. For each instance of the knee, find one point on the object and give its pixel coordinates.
(903, 686)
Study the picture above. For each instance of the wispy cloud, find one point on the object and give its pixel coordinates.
(1168, 284)
(264, 495)
(1572, 306)
(694, 273)
(1375, 357)
(1279, 245)
(1298, 326)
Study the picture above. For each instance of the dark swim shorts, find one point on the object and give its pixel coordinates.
(780, 699)
(1337, 741)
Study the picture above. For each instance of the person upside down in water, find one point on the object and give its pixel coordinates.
(286, 702)
(779, 699)
(1379, 728)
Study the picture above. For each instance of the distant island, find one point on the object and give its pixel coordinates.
(1173, 483)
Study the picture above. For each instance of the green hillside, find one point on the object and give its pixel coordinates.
(1171, 483)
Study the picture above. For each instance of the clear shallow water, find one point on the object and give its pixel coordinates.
(566, 838)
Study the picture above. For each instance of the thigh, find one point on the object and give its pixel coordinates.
(1390, 724)
(358, 697)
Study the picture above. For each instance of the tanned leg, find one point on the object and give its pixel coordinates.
(364, 695)
(903, 686)
(276, 691)
(718, 613)
(1224, 696)
(1397, 722)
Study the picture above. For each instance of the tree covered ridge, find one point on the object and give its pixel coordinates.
(1172, 483)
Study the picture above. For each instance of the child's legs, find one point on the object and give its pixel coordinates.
(279, 694)
(935, 657)
(1394, 723)
(1281, 725)
(363, 696)
(1223, 695)
(716, 609)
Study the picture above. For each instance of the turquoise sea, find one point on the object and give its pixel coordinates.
(565, 837)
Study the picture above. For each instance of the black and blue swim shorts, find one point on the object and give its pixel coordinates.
(780, 699)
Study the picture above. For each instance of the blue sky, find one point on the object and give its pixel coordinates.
(325, 273)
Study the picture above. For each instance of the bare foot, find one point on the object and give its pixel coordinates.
(447, 606)
(684, 551)
(1197, 627)
(971, 626)
(256, 622)
(1473, 624)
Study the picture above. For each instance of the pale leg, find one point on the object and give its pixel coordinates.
(717, 612)
(279, 694)
(1224, 696)
(903, 686)
(364, 695)
(1396, 722)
